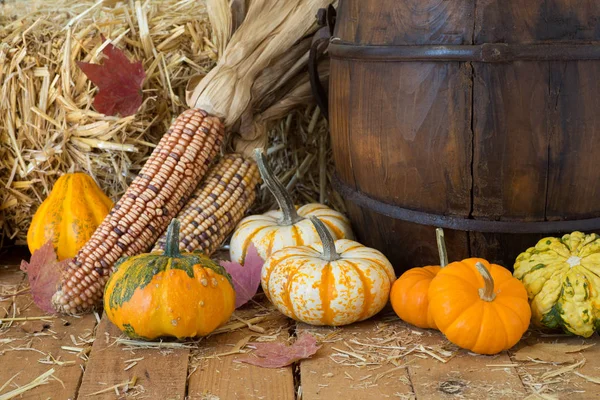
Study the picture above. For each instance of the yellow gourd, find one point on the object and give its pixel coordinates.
(69, 216)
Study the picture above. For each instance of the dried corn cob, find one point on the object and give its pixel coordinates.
(173, 170)
(217, 205)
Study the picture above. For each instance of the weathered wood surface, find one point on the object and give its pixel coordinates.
(215, 373)
(159, 374)
(334, 374)
(463, 375)
(28, 349)
(575, 385)
(380, 358)
(510, 141)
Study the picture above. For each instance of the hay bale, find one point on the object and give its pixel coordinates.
(48, 126)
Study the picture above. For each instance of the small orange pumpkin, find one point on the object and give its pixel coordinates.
(409, 295)
(69, 215)
(479, 306)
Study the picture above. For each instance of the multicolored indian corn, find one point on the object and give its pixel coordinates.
(217, 205)
(161, 189)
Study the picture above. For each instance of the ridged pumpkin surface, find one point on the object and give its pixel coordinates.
(268, 235)
(182, 295)
(460, 311)
(562, 277)
(69, 215)
(288, 226)
(307, 288)
(409, 296)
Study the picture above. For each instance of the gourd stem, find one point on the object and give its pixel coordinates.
(172, 242)
(439, 236)
(284, 200)
(486, 293)
(329, 253)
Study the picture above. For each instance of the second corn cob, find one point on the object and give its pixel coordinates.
(173, 170)
(217, 205)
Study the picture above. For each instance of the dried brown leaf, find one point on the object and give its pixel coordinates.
(34, 326)
(277, 354)
(44, 272)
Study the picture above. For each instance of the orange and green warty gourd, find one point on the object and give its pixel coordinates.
(169, 294)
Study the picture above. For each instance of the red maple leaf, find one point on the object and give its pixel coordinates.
(120, 82)
(44, 272)
(246, 278)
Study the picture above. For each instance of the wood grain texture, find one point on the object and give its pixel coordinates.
(406, 245)
(341, 112)
(224, 378)
(406, 22)
(492, 141)
(530, 21)
(511, 126)
(574, 177)
(160, 374)
(511, 141)
(569, 385)
(324, 378)
(410, 134)
(401, 131)
(37, 340)
(501, 248)
(464, 376)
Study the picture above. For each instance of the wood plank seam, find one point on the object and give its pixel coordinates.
(518, 372)
(472, 155)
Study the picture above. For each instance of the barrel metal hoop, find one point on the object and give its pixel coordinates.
(486, 53)
(461, 223)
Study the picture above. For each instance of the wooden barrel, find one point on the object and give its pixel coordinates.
(482, 117)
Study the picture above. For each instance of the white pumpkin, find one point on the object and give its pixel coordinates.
(336, 283)
(289, 226)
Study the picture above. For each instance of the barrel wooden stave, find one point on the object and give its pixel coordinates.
(514, 141)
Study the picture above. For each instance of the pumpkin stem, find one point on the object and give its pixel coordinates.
(439, 236)
(486, 293)
(329, 253)
(284, 200)
(172, 242)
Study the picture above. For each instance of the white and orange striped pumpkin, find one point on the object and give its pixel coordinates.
(334, 283)
(289, 226)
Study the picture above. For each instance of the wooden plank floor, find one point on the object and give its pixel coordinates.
(382, 358)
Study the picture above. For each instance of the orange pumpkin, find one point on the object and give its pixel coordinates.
(409, 295)
(169, 294)
(69, 215)
(479, 306)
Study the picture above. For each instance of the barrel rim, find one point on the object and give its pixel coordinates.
(457, 222)
(485, 53)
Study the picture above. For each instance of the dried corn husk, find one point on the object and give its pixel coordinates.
(271, 28)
